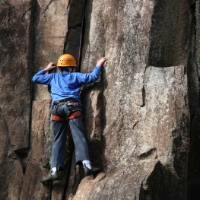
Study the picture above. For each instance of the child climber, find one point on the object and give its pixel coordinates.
(65, 83)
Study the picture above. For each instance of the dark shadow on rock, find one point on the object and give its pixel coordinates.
(194, 104)
(162, 184)
(169, 33)
(73, 40)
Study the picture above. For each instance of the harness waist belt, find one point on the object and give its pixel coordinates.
(70, 103)
(67, 102)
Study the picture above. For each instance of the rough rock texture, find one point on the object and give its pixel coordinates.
(146, 114)
(32, 34)
(15, 92)
(142, 116)
(49, 24)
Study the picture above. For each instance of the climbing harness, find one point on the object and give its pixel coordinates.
(73, 115)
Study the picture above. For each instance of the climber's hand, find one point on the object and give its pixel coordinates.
(50, 66)
(102, 62)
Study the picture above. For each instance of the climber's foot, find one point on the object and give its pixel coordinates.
(91, 172)
(52, 177)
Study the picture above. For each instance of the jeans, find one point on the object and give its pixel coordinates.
(60, 130)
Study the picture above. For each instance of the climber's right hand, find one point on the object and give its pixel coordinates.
(102, 62)
(50, 66)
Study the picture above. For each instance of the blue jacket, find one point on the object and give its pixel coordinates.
(66, 84)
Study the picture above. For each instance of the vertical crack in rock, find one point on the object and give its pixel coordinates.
(31, 51)
(143, 88)
(197, 28)
(82, 33)
(74, 38)
(194, 103)
(73, 44)
(143, 96)
(31, 187)
(22, 153)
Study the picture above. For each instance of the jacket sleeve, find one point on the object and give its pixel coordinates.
(85, 78)
(42, 77)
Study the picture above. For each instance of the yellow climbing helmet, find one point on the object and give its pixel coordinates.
(66, 60)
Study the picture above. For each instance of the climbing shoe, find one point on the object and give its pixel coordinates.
(56, 176)
(91, 172)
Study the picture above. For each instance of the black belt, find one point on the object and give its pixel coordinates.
(69, 102)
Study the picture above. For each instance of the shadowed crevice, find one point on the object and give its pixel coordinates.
(162, 184)
(75, 34)
(169, 33)
(73, 44)
(194, 103)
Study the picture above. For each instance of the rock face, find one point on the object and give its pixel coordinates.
(15, 92)
(142, 116)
